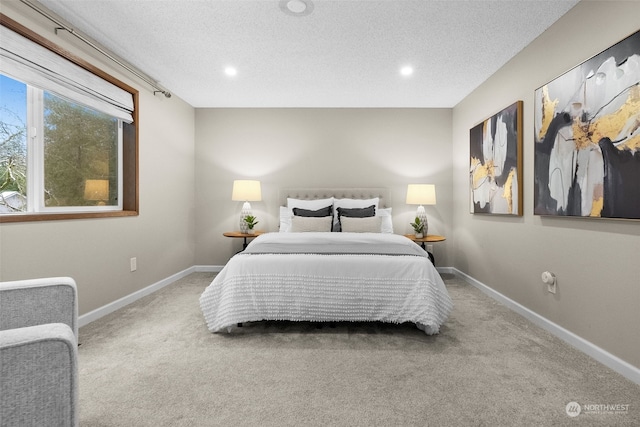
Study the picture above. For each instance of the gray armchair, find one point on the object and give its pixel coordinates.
(39, 352)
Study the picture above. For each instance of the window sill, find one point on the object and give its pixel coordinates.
(62, 216)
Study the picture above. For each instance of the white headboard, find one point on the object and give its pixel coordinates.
(338, 193)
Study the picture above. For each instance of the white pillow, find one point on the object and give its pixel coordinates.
(310, 223)
(287, 212)
(285, 219)
(386, 225)
(369, 224)
(351, 203)
(309, 204)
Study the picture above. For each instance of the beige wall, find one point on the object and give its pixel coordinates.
(596, 261)
(96, 252)
(317, 148)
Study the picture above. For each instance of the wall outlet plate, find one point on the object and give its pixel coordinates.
(549, 279)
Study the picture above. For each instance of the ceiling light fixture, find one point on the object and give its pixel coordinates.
(230, 71)
(406, 71)
(296, 7)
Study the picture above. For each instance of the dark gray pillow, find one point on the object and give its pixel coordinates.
(328, 211)
(355, 213)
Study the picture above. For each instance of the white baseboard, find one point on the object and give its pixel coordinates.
(448, 270)
(620, 366)
(89, 317)
(208, 268)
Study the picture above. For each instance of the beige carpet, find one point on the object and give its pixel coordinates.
(154, 363)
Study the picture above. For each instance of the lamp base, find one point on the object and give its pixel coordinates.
(422, 214)
(246, 210)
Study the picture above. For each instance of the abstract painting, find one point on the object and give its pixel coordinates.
(495, 171)
(587, 137)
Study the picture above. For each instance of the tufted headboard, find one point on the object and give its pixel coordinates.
(338, 193)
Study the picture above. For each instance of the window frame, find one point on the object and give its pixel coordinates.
(130, 137)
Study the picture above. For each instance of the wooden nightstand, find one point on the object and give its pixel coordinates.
(429, 238)
(245, 236)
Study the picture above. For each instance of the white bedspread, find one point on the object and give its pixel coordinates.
(328, 287)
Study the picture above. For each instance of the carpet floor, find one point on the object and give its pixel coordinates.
(154, 363)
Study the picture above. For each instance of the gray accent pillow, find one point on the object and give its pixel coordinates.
(355, 213)
(327, 211)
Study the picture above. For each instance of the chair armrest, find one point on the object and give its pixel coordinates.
(39, 371)
(39, 301)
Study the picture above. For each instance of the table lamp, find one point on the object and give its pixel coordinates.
(246, 191)
(421, 194)
(96, 190)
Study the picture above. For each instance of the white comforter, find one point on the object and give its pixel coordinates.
(328, 287)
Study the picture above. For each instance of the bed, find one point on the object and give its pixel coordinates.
(324, 276)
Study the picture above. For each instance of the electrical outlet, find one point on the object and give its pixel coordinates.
(430, 248)
(134, 264)
(549, 279)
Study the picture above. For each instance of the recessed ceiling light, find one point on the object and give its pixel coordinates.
(296, 7)
(230, 71)
(406, 70)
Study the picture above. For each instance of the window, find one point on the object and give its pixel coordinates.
(55, 154)
(68, 139)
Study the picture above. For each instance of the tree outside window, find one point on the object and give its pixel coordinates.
(79, 149)
(13, 145)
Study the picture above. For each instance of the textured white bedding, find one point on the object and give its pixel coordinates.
(328, 287)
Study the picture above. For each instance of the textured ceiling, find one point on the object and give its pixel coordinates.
(345, 53)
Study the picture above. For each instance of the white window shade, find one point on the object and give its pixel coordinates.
(24, 60)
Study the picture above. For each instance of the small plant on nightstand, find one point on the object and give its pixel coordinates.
(251, 222)
(418, 227)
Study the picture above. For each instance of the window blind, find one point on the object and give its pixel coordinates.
(24, 60)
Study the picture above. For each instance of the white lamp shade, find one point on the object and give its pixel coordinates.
(421, 194)
(245, 190)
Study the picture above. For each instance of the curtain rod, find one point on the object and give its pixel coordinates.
(125, 65)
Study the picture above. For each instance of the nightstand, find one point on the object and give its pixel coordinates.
(429, 238)
(244, 236)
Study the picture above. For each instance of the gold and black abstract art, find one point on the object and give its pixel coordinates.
(495, 167)
(587, 137)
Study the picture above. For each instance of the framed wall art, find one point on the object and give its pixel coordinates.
(495, 166)
(587, 137)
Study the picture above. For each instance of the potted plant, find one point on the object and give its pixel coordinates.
(251, 222)
(418, 227)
